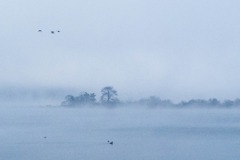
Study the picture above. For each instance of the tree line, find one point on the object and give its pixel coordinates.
(109, 97)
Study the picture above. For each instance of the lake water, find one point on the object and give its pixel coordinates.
(138, 133)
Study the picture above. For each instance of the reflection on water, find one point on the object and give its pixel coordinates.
(138, 133)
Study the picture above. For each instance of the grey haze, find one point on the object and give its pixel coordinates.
(178, 49)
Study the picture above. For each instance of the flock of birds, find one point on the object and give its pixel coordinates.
(53, 32)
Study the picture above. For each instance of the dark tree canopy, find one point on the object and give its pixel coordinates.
(83, 99)
(69, 100)
(109, 95)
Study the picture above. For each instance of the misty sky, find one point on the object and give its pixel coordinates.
(176, 49)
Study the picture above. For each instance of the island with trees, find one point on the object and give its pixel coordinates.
(109, 97)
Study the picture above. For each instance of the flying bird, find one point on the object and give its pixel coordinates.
(53, 32)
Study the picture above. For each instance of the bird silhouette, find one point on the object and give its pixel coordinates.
(111, 142)
(53, 32)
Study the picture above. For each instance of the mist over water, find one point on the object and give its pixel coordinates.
(175, 49)
(137, 133)
(184, 51)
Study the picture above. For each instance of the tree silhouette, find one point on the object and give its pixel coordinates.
(69, 101)
(83, 99)
(86, 98)
(109, 95)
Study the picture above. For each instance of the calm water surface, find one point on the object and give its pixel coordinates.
(137, 133)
